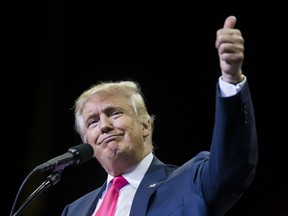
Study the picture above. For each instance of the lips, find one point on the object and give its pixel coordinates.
(108, 139)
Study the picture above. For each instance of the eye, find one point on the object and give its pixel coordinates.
(92, 123)
(116, 114)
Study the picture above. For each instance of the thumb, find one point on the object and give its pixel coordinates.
(230, 22)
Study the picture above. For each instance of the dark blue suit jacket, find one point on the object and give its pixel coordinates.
(208, 184)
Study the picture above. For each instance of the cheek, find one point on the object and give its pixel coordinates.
(135, 132)
(92, 136)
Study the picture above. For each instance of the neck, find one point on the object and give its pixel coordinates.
(120, 167)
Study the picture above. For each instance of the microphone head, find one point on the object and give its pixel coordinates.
(82, 152)
(75, 155)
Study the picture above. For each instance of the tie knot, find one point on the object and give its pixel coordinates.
(119, 182)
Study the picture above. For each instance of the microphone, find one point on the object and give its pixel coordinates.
(75, 155)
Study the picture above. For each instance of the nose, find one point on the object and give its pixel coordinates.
(105, 124)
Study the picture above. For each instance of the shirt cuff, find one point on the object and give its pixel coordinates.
(228, 89)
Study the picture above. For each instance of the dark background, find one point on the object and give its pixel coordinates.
(54, 50)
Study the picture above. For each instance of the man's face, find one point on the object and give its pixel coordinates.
(115, 132)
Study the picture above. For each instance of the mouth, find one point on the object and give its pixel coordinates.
(108, 139)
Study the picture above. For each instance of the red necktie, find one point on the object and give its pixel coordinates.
(109, 203)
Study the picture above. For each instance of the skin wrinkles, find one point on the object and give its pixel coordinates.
(116, 134)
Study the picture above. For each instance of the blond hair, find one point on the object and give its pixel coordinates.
(129, 89)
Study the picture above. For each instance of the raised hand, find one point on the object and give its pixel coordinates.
(230, 45)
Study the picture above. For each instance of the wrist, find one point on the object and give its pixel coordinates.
(233, 79)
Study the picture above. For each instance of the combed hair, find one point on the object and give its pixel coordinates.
(129, 89)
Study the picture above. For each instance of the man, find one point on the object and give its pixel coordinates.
(112, 117)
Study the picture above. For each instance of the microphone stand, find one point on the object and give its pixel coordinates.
(51, 180)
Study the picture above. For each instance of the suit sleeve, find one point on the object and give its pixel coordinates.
(233, 153)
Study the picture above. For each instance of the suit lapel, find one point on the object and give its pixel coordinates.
(154, 176)
(92, 201)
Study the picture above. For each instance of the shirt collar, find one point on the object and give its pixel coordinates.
(135, 176)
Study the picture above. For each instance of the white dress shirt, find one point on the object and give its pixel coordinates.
(127, 193)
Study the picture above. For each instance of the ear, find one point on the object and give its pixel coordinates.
(146, 127)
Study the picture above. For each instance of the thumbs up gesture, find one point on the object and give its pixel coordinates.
(230, 45)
